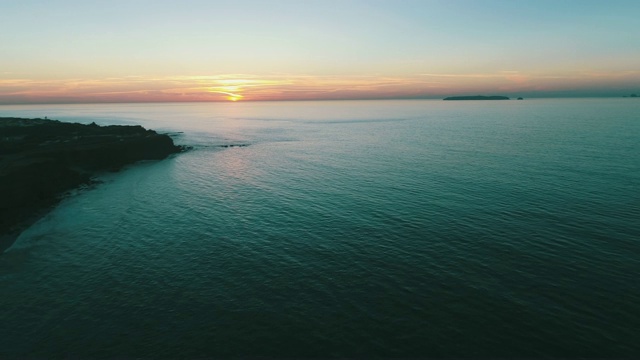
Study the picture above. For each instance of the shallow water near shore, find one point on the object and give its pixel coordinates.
(350, 228)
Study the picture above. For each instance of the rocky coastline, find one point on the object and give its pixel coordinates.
(41, 159)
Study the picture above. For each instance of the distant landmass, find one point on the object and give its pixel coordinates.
(476, 97)
(40, 159)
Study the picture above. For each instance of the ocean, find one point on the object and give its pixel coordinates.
(408, 228)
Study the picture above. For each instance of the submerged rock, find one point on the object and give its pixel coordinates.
(41, 159)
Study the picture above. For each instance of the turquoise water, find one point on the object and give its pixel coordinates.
(390, 228)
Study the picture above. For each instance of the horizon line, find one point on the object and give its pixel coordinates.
(512, 97)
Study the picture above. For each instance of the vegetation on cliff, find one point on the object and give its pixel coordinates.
(41, 159)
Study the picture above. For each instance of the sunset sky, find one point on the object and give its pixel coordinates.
(66, 51)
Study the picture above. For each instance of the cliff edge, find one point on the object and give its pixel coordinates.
(41, 159)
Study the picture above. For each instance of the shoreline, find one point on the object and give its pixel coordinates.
(41, 160)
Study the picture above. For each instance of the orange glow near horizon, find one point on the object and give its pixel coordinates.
(232, 91)
(237, 87)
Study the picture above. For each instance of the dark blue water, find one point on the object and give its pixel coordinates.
(395, 228)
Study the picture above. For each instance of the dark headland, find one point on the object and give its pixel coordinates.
(476, 97)
(42, 159)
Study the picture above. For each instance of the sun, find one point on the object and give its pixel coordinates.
(230, 92)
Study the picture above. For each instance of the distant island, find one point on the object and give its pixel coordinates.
(476, 97)
(41, 159)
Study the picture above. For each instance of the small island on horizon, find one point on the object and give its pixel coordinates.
(477, 97)
(41, 159)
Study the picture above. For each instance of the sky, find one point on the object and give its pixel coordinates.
(78, 51)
